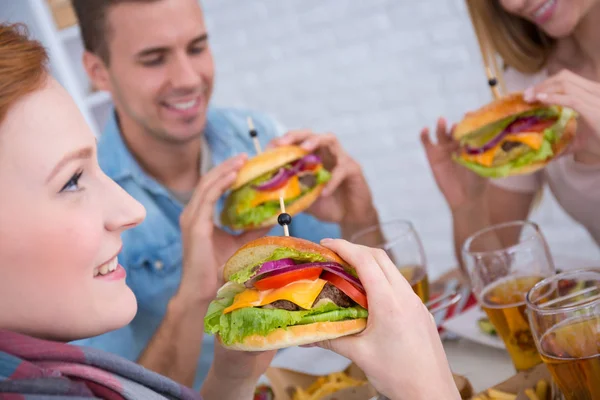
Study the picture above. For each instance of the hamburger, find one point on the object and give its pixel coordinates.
(254, 198)
(283, 291)
(512, 137)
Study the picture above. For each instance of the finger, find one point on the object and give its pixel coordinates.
(369, 272)
(346, 346)
(293, 137)
(565, 100)
(393, 275)
(204, 214)
(338, 175)
(425, 138)
(442, 131)
(253, 234)
(327, 140)
(214, 175)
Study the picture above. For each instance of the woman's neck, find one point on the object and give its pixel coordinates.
(581, 50)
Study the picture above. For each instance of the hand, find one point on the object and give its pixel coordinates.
(234, 374)
(459, 185)
(400, 350)
(346, 199)
(571, 90)
(206, 247)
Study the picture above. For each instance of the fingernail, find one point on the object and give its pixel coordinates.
(308, 145)
(326, 241)
(528, 94)
(542, 96)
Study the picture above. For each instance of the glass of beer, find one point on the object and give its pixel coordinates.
(564, 315)
(402, 244)
(504, 262)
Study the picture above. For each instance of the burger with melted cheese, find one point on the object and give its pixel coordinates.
(511, 137)
(284, 291)
(254, 198)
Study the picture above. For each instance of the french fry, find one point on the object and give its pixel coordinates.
(531, 394)
(499, 395)
(541, 389)
(326, 385)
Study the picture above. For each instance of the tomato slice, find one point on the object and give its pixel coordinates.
(280, 280)
(351, 291)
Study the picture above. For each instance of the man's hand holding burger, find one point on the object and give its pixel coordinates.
(346, 199)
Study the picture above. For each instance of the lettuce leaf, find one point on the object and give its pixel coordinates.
(486, 133)
(551, 135)
(239, 212)
(323, 176)
(280, 253)
(235, 326)
(502, 171)
(224, 299)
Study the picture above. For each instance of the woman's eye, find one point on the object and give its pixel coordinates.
(73, 184)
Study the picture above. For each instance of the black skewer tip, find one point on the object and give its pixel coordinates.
(253, 133)
(492, 82)
(284, 219)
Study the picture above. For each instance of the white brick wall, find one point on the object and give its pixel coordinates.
(374, 72)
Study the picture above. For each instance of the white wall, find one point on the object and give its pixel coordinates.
(374, 72)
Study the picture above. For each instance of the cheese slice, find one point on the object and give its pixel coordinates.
(531, 139)
(302, 293)
(290, 190)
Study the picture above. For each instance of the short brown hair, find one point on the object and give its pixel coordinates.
(23, 65)
(520, 43)
(93, 24)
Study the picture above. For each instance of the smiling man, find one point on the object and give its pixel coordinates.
(177, 156)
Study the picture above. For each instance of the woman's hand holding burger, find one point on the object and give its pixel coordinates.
(400, 350)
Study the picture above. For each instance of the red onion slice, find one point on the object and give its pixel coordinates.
(517, 126)
(283, 174)
(273, 269)
(278, 180)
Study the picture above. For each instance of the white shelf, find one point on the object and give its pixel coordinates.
(96, 99)
(69, 33)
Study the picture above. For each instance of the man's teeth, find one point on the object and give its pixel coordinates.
(107, 268)
(183, 106)
(544, 8)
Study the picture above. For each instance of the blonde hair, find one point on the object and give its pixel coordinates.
(519, 43)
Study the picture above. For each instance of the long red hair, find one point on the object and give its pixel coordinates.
(23, 65)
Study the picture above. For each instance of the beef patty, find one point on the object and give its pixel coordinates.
(329, 292)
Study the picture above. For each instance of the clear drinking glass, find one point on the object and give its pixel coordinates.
(402, 244)
(504, 262)
(564, 315)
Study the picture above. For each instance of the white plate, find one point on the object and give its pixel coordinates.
(465, 325)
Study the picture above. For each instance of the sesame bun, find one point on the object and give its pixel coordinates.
(267, 161)
(495, 111)
(258, 250)
(298, 335)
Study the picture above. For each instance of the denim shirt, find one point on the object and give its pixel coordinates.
(152, 251)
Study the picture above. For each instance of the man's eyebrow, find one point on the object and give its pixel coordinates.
(80, 154)
(200, 39)
(163, 49)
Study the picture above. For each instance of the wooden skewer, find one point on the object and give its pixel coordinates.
(283, 216)
(493, 82)
(254, 135)
(488, 54)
